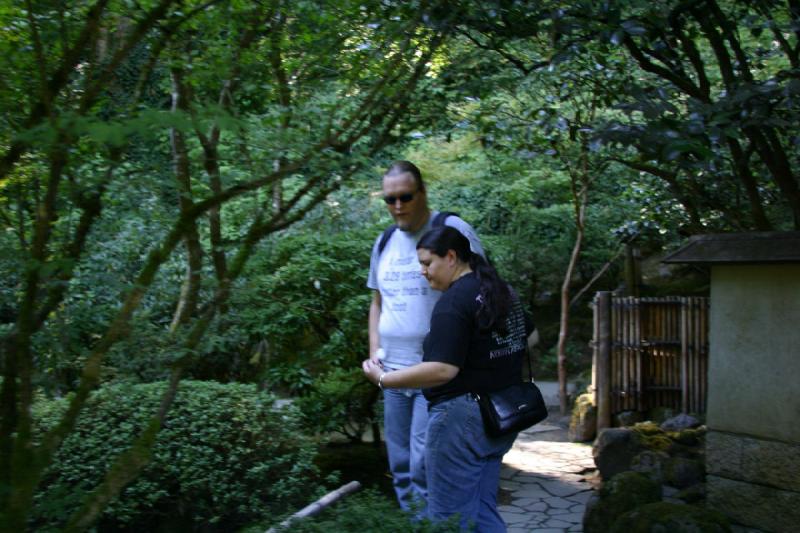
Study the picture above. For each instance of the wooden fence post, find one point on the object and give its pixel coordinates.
(603, 362)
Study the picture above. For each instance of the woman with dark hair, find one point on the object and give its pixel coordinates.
(476, 344)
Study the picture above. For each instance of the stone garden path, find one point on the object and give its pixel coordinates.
(546, 481)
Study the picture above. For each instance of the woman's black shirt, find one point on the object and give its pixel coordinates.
(487, 360)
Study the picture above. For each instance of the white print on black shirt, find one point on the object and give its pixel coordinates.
(514, 340)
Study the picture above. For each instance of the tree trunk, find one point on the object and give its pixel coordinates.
(187, 303)
(580, 213)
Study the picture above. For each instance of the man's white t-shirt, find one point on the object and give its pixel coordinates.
(406, 298)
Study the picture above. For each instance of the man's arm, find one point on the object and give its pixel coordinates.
(374, 320)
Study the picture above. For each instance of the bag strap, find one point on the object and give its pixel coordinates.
(530, 367)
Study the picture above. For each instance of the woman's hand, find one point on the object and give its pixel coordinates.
(372, 370)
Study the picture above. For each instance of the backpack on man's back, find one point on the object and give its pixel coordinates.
(438, 220)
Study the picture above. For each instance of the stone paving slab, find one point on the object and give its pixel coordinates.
(545, 482)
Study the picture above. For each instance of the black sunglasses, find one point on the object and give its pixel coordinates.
(404, 198)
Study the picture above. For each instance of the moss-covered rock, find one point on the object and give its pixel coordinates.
(583, 423)
(647, 427)
(622, 493)
(694, 494)
(657, 443)
(651, 463)
(672, 518)
(614, 449)
(688, 437)
(682, 472)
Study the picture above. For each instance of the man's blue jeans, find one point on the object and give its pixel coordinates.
(405, 421)
(463, 466)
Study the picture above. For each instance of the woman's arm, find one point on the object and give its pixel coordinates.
(422, 375)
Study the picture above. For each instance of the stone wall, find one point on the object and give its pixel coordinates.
(753, 440)
(754, 481)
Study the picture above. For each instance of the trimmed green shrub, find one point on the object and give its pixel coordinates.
(225, 456)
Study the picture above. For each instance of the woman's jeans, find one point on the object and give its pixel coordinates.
(405, 421)
(463, 466)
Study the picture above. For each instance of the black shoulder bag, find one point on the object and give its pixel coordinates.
(512, 409)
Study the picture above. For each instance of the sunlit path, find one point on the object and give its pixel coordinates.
(546, 482)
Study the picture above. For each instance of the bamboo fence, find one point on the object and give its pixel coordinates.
(649, 352)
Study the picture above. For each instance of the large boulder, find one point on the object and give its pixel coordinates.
(680, 422)
(614, 449)
(622, 493)
(583, 424)
(671, 517)
(627, 418)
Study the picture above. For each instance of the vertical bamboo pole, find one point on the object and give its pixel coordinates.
(619, 354)
(666, 352)
(614, 355)
(665, 355)
(693, 353)
(593, 305)
(603, 310)
(665, 366)
(685, 310)
(639, 347)
(626, 367)
(696, 349)
(702, 353)
(677, 357)
(647, 364)
(699, 354)
(656, 381)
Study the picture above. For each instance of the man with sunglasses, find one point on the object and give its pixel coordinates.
(399, 320)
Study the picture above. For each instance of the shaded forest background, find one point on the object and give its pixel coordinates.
(189, 191)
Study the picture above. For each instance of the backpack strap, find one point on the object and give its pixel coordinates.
(387, 234)
(441, 216)
(438, 220)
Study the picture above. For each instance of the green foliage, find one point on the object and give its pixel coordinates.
(644, 99)
(523, 212)
(346, 398)
(226, 455)
(305, 300)
(545, 362)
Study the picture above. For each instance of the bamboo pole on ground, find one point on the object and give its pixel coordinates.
(318, 506)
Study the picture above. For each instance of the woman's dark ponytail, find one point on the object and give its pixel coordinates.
(495, 294)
